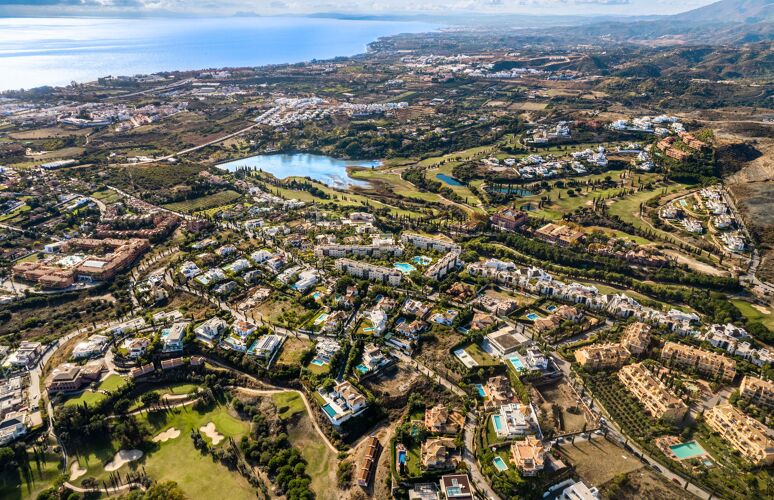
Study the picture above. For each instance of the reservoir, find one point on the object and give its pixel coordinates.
(328, 170)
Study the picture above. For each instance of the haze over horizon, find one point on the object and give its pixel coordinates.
(118, 8)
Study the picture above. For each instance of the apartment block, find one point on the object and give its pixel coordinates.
(602, 356)
(636, 338)
(427, 242)
(369, 271)
(706, 363)
(359, 250)
(658, 401)
(757, 391)
(745, 434)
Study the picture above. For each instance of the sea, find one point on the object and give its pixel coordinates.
(57, 51)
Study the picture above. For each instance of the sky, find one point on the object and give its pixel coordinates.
(10, 8)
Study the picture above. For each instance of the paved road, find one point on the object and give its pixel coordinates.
(469, 457)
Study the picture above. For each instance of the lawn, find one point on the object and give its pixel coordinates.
(291, 402)
(177, 460)
(210, 201)
(107, 196)
(755, 313)
(112, 383)
(481, 357)
(89, 397)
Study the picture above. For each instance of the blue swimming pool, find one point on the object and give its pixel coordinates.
(551, 308)
(516, 362)
(500, 464)
(480, 389)
(402, 456)
(533, 316)
(684, 451)
(316, 295)
(422, 260)
(362, 369)
(497, 424)
(329, 410)
(318, 362)
(404, 267)
(368, 329)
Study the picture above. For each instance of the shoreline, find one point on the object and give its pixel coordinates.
(364, 48)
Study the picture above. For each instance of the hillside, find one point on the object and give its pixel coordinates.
(731, 11)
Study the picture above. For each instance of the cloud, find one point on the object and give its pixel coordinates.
(229, 7)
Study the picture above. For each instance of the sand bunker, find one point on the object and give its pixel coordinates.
(121, 458)
(761, 309)
(165, 436)
(212, 433)
(76, 471)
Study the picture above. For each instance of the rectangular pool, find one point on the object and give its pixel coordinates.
(481, 391)
(329, 410)
(496, 420)
(684, 451)
(500, 464)
(517, 364)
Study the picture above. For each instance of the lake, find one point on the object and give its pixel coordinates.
(328, 170)
(449, 180)
(56, 51)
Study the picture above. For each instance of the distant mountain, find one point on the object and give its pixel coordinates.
(730, 11)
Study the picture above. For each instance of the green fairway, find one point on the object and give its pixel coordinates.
(755, 313)
(177, 459)
(292, 403)
(205, 202)
(14, 487)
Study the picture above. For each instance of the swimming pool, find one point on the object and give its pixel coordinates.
(533, 316)
(480, 389)
(496, 421)
(329, 410)
(551, 308)
(362, 369)
(684, 451)
(404, 267)
(402, 456)
(516, 362)
(321, 318)
(500, 464)
(422, 260)
(316, 295)
(318, 362)
(368, 329)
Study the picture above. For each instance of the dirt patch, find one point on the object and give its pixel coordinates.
(165, 436)
(379, 486)
(76, 471)
(562, 409)
(121, 458)
(211, 432)
(598, 461)
(642, 484)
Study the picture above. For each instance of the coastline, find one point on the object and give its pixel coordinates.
(58, 51)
